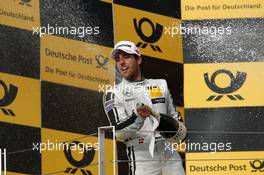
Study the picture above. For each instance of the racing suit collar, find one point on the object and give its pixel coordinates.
(137, 82)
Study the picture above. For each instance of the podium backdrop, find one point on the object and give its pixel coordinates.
(210, 52)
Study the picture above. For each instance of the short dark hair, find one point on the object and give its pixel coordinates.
(121, 51)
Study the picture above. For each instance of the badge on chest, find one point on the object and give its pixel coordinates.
(156, 94)
(154, 91)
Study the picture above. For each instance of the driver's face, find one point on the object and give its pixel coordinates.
(128, 65)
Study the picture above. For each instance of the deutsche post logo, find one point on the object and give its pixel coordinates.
(101, 61)
(8, 98)
(257, 165)
(78, 165)
(148, 40)
(25, 2)
(236, 83)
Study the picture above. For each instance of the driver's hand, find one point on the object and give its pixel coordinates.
(144, 110)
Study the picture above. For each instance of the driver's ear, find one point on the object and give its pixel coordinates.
(139, 60)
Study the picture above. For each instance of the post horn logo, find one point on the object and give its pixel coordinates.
(8, 98)
(235, 84)
(101, 61)
(88, 156)
(25, 2)
(154, 37)
(257, 165)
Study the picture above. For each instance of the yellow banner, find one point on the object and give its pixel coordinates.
(20, 13)
(19, 100)
(76, 63)
(181, 110)
(223, 85)
(155, 35)
(72, 153)
(13, 173)
(221, 9)
(225, 163)
(108, 1)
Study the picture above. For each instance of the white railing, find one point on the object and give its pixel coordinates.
(101, 155)
(2, 161)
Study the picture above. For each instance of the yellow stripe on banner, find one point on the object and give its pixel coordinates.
(223, 85)
(225, 163)
(13, 173)
(155, 35)
(20, 100)
(20, 14)
(76, 63)
(221, 9)
(108, 1)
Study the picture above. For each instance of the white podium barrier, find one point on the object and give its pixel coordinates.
(101, 155)
(2, 161)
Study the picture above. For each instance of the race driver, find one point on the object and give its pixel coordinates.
(138, 108)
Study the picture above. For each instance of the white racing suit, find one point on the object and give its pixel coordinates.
(120, 106)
